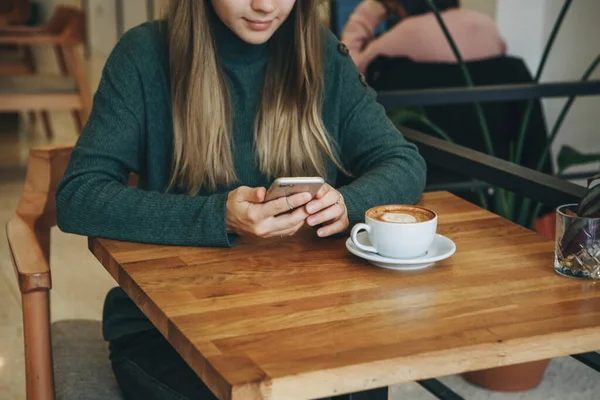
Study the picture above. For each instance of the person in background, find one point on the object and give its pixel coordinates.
(418, 35)
(208, 108)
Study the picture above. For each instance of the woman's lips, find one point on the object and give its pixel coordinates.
(258, 25)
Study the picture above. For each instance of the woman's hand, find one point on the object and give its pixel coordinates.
(328, 208)
(246, 215)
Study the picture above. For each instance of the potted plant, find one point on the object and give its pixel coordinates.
(577, 251)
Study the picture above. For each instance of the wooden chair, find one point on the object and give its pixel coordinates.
(14, 12)
(15, 60)
(65, 32)
(81, 366)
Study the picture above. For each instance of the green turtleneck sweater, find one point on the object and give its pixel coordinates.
(130, 129)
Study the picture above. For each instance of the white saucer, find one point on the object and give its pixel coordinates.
(440, 249)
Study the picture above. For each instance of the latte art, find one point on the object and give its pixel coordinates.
(398, 218)
(400, 214)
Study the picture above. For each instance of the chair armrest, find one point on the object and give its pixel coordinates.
(28, 230)
(31, 267)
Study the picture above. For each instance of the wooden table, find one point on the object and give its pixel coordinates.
(302, 318)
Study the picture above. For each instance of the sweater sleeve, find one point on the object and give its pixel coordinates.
(93, 198)
(386, 168)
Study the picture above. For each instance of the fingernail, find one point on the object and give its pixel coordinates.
(306, 197)
(311, 221)
(310, 208)
(320, 233)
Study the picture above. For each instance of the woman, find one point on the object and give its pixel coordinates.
(418, 35)
(208, 109)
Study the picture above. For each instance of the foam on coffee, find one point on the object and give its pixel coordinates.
(398, 218)
(400, 214)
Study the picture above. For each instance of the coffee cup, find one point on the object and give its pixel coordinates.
(397, 231)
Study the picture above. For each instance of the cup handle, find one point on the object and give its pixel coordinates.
(357, 228)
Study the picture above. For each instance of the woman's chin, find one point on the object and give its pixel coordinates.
(254, 36)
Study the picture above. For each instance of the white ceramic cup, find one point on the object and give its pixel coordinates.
(397, 239)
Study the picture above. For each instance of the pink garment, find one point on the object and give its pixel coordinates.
(420, 37)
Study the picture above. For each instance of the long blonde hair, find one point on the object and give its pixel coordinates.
(290, 137)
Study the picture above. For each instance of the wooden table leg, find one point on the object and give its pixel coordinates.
(592, 359)
(375, 394)
(439, 390)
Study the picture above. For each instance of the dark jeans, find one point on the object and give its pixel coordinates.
(148, 368)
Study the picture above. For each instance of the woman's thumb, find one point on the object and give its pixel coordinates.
(252, 195)
(258, 195)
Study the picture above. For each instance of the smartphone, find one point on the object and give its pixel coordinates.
(283, 187)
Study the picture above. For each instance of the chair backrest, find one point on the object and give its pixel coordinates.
(28, 233)
(69, 24)
(15, 11)
(7, 6)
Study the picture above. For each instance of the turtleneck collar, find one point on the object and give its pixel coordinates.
(232, 49)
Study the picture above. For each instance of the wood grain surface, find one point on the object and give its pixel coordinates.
(301, 318)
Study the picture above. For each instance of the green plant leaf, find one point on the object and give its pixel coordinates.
(568, 157)
(401, 116)
(499, 195)
(590, 203)
(574, 236)
(485, 131)
(406, 114)
(529, 109)
(538, 75)
(589, 207)
(590, 182)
